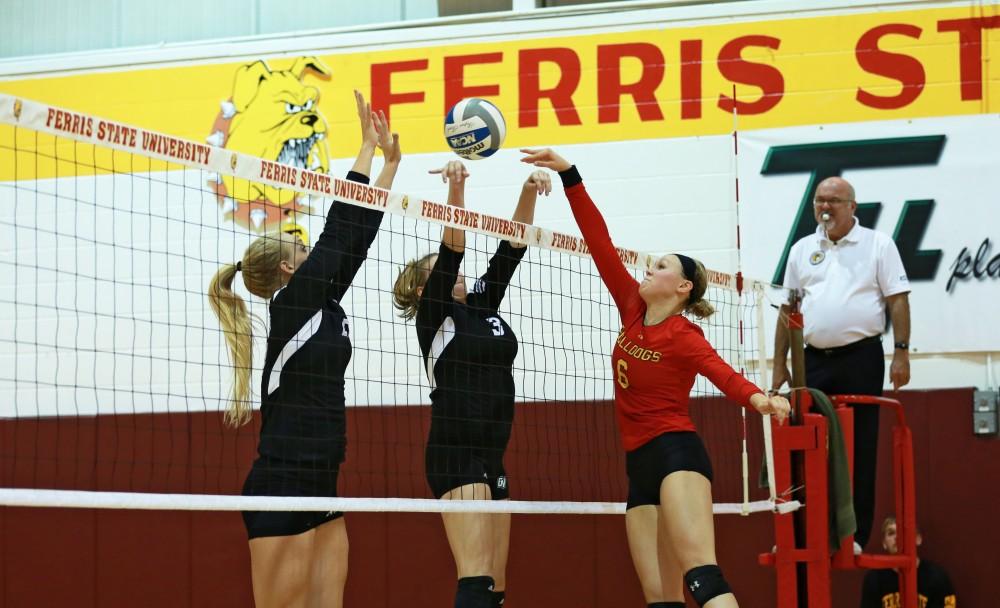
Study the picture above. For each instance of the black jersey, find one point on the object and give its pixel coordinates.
(468, 349)
(881, 588)
(309, 344)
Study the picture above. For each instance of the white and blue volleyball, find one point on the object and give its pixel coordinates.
(474, 128)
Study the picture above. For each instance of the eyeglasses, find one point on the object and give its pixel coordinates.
(817, 202)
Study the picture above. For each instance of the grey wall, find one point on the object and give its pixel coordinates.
(36, 27)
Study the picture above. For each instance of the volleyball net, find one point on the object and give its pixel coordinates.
(115, 371)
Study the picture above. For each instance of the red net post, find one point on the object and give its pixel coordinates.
(904, 493)
(804, 441)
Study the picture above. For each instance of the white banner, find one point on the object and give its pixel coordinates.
(932, 184)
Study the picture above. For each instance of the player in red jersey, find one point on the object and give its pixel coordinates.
(656, 357)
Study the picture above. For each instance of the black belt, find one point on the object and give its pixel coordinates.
(838, 350)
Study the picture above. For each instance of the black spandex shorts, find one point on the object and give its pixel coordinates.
(273, 477)
(650, 463)
(462, 451)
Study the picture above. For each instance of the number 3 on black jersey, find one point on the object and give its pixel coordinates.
(497, 325)
(621, 367)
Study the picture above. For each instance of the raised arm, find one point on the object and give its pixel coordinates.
(537, 183)
(489, 290)
(391, 152)
(436, 298)
(616, 277)
(349, 230)
(455, 174)
(369, 135)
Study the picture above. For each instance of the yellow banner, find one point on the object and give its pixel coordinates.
(656, 83)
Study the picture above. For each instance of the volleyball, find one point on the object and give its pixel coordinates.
(474, 128)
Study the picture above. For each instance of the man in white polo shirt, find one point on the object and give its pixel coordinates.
(848, 275)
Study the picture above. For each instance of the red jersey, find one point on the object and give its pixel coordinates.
(654, 366)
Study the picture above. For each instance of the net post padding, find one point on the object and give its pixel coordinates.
(805, 440)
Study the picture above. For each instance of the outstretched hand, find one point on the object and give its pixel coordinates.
(545, 157)
(387, 141)
(540, 181)
(454, 173)
(369, 134)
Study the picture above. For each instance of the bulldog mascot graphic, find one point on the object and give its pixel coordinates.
(272, 114)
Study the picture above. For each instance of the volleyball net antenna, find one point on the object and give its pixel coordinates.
(115, 371)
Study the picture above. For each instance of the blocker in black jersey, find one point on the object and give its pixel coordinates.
(468, 352)
(303, 435)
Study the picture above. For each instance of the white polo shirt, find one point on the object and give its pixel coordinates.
(845, 284)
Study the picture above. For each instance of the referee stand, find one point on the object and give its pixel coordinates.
(804, 554)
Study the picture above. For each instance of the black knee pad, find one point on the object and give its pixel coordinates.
(706, 583)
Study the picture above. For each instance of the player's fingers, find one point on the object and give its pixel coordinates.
(546, 182)
(536, 155)
(776, 413)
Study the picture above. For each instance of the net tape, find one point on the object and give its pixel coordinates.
(120, 136)
(203, 502)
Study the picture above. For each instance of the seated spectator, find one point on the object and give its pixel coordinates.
(881, 587)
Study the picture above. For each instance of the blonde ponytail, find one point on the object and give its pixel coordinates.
(232, 313)
(259, 268)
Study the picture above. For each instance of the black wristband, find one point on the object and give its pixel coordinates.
(570, 177)
(902, 345)
(354, 176)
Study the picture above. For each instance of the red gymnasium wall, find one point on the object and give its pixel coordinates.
(67, 557)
